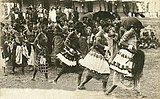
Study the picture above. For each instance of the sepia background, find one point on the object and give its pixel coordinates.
(21, 87)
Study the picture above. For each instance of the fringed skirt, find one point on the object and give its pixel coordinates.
(68, 58)
(122, 62)
(95, 62)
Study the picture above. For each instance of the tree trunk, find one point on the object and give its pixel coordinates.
(100, 8)
(104, 4)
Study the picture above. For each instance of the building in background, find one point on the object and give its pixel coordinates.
(148, 8)
(152, 8)
(6, 5)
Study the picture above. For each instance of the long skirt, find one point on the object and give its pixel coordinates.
(96, 62)
(123, 63)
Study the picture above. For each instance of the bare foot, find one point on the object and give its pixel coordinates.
(104, 90)
(33, 79)
(53, 81)
(5, 74)
(107, 93)
(81, 88)
(13, 72)
(141, 96)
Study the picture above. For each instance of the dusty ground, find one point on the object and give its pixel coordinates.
(67, 83)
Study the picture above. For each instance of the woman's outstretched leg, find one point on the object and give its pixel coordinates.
(104, 82)
(87, 79)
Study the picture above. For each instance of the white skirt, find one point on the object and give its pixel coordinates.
(96, 62)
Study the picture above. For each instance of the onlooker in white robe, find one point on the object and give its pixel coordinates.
(52, 15)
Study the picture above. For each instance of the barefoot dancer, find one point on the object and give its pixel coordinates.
(41, 61)
(70, 56)
(128, 63)
(95, 62)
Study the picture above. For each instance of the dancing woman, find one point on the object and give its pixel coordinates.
(41, 55)
(129, 61)
(71, 50)
(95, 62)
(69, 57)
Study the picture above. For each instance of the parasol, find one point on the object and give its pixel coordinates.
(103, 15)
(88, 15)
(100, 14)
(132, 22)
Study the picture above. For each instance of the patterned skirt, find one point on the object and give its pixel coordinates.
(41, 64)
(122, 62)
(68, 58)
(95, 62)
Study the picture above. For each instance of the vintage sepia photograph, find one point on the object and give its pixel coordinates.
(79, 49)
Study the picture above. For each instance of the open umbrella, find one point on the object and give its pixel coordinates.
(132, 22)
(88, 15)
(103, 15)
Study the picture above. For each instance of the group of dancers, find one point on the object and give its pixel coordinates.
(97, 48)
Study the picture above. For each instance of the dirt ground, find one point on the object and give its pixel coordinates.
(67, 83)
